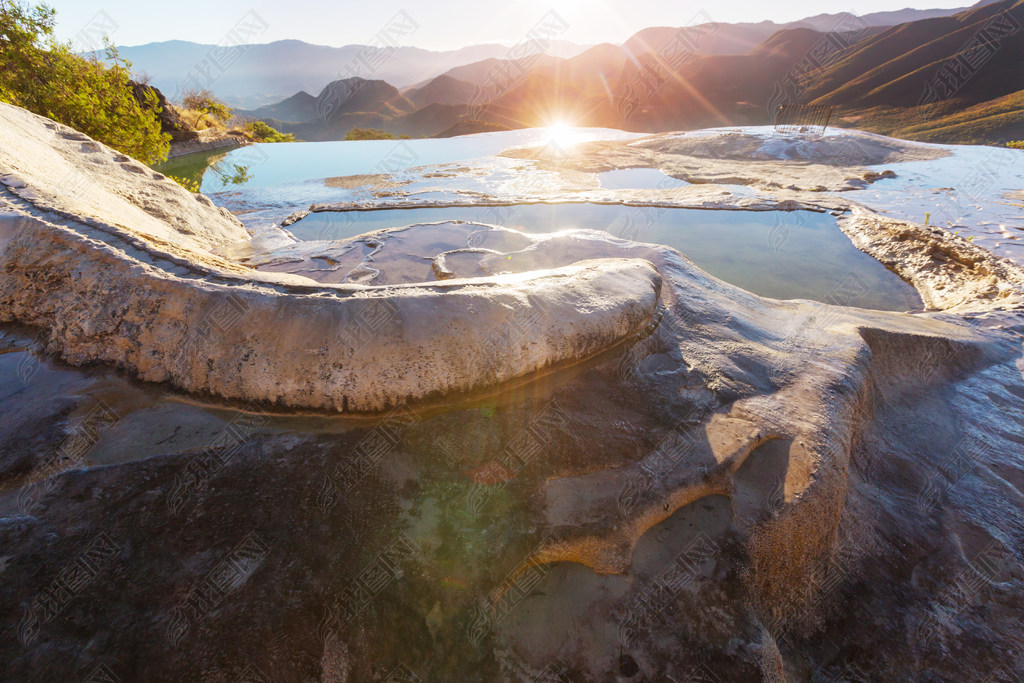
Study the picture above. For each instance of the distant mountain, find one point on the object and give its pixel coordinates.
(338, 98)
(702, 39)
(358, 95)
(268, 72)
(249, 76)
(442, 90)
(741, 38)
(299, 107)
(955, 78)
(678, 44)
(843, 21)
(913, 79)
(494, 69)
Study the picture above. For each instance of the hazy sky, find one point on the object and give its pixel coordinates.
(437, 25)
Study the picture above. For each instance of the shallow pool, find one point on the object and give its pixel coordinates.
(784, 255)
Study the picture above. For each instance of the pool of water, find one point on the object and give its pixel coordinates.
(784, 255)
(638, 179)
(279, 163)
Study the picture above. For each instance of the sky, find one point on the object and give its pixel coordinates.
(435, 25)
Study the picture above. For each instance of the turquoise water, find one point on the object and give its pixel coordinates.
(784, 255)
(638, 179)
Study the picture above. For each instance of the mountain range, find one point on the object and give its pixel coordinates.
(251, 75)
(950, 78)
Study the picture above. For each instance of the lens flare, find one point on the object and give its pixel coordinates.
(563, 134)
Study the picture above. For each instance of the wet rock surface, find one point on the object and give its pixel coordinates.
(743, 512)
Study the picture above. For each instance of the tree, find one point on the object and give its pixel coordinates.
(45, 76)
(205, 104)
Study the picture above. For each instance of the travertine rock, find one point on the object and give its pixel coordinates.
(121, 271)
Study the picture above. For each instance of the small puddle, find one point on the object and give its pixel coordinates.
(779, 254)
(638, 179)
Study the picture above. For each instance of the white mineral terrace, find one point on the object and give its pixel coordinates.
(597, 411)
(117, 263)
(121, 265)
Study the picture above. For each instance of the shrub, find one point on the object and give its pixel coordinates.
(368, 134)
(45, 76)
(1016, 144)
(261, 132)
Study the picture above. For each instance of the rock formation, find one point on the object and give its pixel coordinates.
(170, 119)
(642, 472)
(123, 271)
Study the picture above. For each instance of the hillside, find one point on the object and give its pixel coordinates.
(950, 78)
(894, 67)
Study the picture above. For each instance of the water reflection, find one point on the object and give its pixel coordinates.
(783, 255)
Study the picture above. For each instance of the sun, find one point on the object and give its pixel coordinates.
(561, 134)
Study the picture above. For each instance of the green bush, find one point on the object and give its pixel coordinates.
(261, 132)
(45, 76)
(368, 134)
